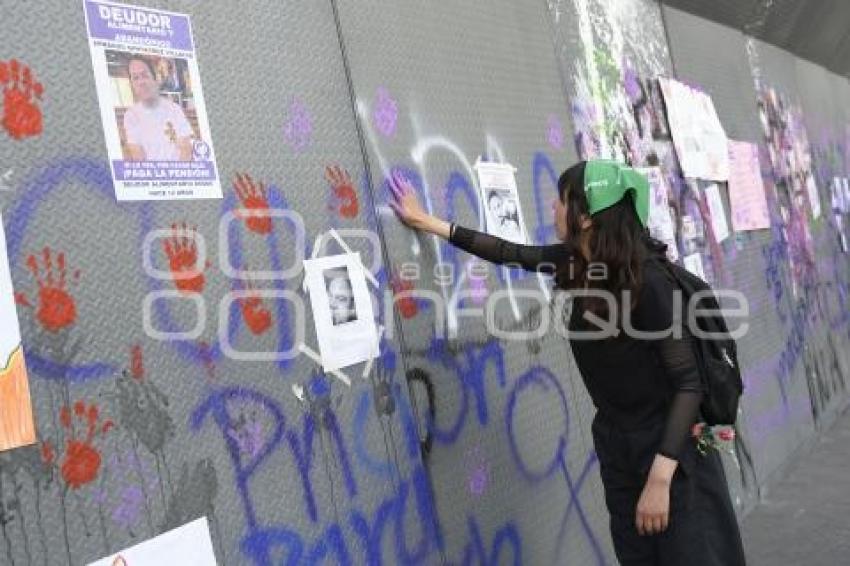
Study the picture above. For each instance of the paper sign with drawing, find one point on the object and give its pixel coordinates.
(17, 427)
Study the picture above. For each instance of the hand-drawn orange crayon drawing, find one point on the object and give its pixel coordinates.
(21, 100)
(17, 427)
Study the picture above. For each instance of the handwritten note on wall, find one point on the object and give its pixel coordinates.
(746, 190)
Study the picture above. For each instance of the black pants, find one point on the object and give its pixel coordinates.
(703, 529)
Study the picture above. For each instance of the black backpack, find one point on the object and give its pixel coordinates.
(717, 356)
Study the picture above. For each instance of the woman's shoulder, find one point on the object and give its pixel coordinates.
(655, 270)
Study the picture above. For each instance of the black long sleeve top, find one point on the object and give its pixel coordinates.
(632, 381)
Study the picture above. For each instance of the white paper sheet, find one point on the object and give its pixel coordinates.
(151, 103)
(693, 263)
(189, 545)
(660, 222)
(698, 135)
(500, 201)
(836, 194)
(814, 197)
(842, 238)
(342, 310)
(846, 190)
(718, 213)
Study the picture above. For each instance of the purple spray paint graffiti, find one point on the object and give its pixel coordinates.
(298, 128)
(385, 114)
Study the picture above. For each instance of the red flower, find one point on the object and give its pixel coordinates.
(697, 429)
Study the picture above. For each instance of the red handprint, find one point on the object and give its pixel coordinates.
(48, 455)
(255, 204)
(81, 461)
(406, 303)
(182, 252)
(56, 307)
(254, 312)
(21, 94)
(344, 193)
(137, 365)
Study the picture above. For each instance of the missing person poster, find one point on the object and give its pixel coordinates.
(151, 103)
(17, 427)
(498, 192)
(342, 310)
(189, 545)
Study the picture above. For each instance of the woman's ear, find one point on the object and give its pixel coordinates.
(586, 222)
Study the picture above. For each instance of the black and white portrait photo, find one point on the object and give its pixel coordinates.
(343, 312)
(340, 296)
(504, 214)
(500, 199)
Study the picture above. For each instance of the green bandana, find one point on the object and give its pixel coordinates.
(606, 182)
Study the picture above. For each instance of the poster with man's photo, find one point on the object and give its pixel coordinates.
(502, 209)
(151, 103)
(342, 310)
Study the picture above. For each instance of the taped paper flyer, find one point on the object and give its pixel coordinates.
(151, 103)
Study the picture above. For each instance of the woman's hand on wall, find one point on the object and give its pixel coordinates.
(407, 207)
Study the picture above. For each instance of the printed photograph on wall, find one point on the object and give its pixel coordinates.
(498, 191)
(340, 296)
(17, 427)
(342, 310)
(165, 131)
(151, 102)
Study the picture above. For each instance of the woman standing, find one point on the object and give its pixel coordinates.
(668, 504)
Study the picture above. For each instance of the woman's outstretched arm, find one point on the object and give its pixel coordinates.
(544, 259)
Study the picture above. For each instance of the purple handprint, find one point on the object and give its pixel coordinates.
(478, 472)
(128, 511)
(477, 284)
(298, 127)
(248, 435)
(385, 114)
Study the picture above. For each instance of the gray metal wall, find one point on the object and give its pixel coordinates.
(457, 449)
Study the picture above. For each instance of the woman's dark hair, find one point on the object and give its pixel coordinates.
(618, 245)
